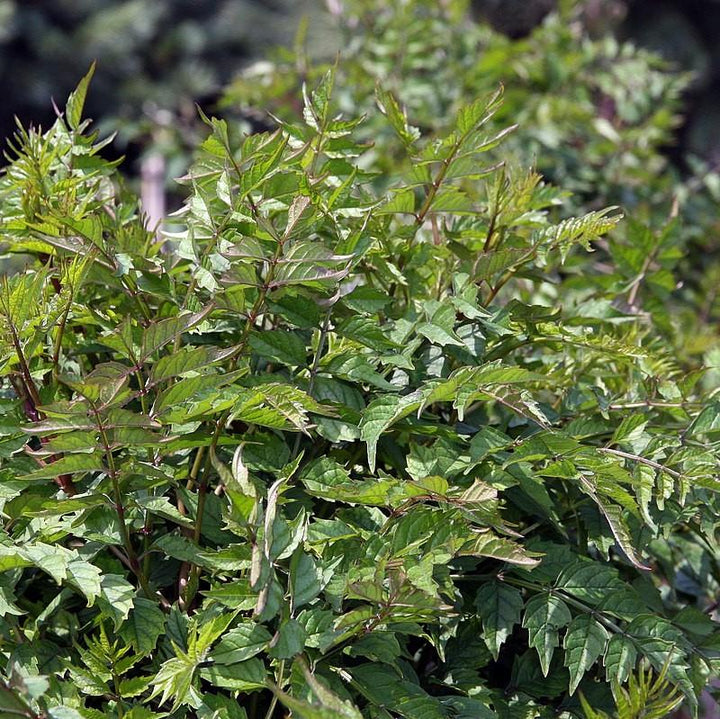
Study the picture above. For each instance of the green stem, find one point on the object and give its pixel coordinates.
(57, 345)
(120, 507)
(641, 460)
(314, 369)
(274, 701)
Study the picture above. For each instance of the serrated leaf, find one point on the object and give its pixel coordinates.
(489, 264)
(499, 607)
(589, 581)
(117, 597)
(382, 686)
(238, 594)
(241, 676)
(76, 101)
(401, 202)
(288, 641)
(544, 615)
(620, 658)
(585, 640)
(241, 643)
(52, 559)
(281, 346)
(86, 577)
(630, 429)
(366, 331)
(70, 464)
(613, 513)
(296, 209)
(326, 705)
(380, 414)
(484, 543)
(174, 680)
(158, 334)
(187, 360)
(398, 120)
(305, 582)
(144, 626)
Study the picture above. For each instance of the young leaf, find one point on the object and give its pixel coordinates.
(76, 101)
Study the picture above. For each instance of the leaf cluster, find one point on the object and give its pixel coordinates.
(352, 443)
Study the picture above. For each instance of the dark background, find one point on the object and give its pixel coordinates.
(157, 58)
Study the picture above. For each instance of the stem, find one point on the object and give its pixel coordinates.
(315, 366)
(274, 701)
(202, 487)
(18, 712)
(32, 391)
(195, 469)
(493, 218)
(25, 394)
(652, 403)
(641, 460)
(632, 294)
(120, 508)
(57, 346)
(191, 582)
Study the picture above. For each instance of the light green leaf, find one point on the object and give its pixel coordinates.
(76, 101)
(241, 643)
(173, 680)
(117, 598)
(630, 429)
(70, 464)
(613, 513)
(389, 107)
(380, 414)
(188, 359)
(244, 676)
(620, 658)
(484, 543)
(158, 334)
(86, 577)
(53, 559)
(237, 594)
(327, 706)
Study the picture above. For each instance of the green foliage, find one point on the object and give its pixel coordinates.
(595, 116)
(645, 696)
(347, 442)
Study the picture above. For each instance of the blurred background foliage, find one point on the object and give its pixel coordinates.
(158, 57)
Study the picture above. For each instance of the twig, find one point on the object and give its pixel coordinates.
(641, 460)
